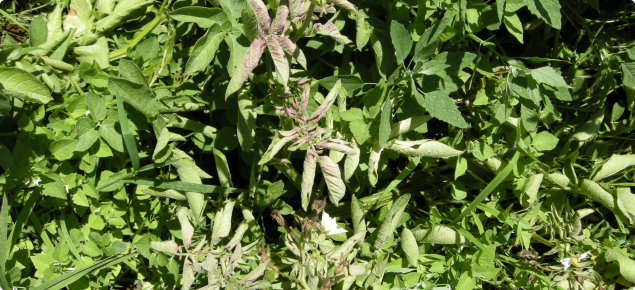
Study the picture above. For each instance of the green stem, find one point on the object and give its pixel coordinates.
(76, 85)
(305, 24)
(140, 36)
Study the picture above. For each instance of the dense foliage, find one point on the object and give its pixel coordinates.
(317, 144)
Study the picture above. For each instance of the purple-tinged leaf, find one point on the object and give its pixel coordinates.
(278, 25)
(329, 29)
(169, 247)
(337, 145)
(345, 4)
(249, 62)
(279, 59)
(304, 101)
(295, 7)
(262, 16)
(333, 177)
(280, 139)
(326, 104)
(308, 177)
(292, 49)
(187, 231)
(188, 275)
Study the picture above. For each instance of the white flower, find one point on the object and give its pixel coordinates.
(66, 187)
(36, 182)
(577, 258)
(330, 226)
(87, 112)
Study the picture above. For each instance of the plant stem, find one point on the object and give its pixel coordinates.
(76, 85)
(146, 30)
(305, 24)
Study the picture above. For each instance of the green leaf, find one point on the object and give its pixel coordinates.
(204, 50)
(256, 273)
(614, 165)
(38, 31)
(97, 52)
(130, 71)
(222, 167)
(4, 224)
(363, 31)
(502, 175)
(246, 120)
(222, 222)
(249, 61)
(590, 127)
(385, 127)
(112, 136)
(428, 42)
(544, 141)
(447, 63)
(401, 40)
(547, 75)
(182, 186)
(233, 8)
(352, 84)
(410, 247)
(548, 10)
(162, 151)
(136, 95)
(203, 17)
(96, 106)
(442, 107)
(514, 26)
(383, 51)
(628, 82)
(465, 282)
(87, 140)
(128, 138)
(52, 185)
(21, 84)
(390, 223)
(62, 281)
(530, 191)
(63, 149)
(438, 235)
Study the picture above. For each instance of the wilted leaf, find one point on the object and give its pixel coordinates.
(262, 16)
(249, 62)
(279, 59)
(333, 177)
(308, 177)
(169, 247)
(187, 231)
(424, 148)
(292, 49)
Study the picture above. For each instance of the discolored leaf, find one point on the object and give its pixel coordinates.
(390, 223)
(337, 145)
(346, 246)
(248, 63)
(424, 148)
(308, 178)
(408, 125)
(333, 177)
(222, 222)
(278, 25)
(373, 163)
(329, 29)
(326, 104)
(279, 59)
(187, 231)
(169, 247)
(410, 247)
(280, 139)
(262, 16)
(292, 49)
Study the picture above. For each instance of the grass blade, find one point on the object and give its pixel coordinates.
(490, 187)
(128, 138)
(68, 278)
(183, 186)
(4, 225)
(22, 217)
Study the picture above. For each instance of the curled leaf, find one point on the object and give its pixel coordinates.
(373, 163)
(345, 247)
(326, 104)
(329, 29)
(614, 165)
(337, 145)
(345, 4)
(308, 177)
(292, 49)
(333, 177)
(438, 235)
(352, 161)
(278, 25)
(408, 125)
(250, 61)
(187, 231)
(304, 100)
(279, 59)
(169, 247)
(424, 148)
(262, 16)
(280, 139)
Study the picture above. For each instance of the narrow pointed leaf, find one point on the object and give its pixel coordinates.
(333, 177)
(308, 178)
(249, 62)
(279, 59)
(128, 138)
(292, 49)
(326, 104)
(279, 22)
(262, 16)
(187, 231)
(204, 50)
